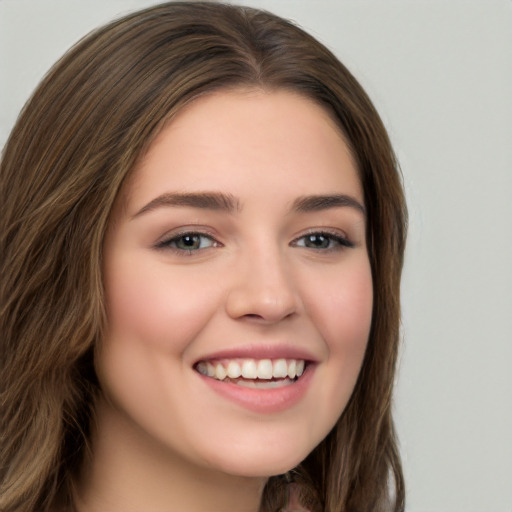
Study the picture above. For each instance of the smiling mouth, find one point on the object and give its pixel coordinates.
(254, 373)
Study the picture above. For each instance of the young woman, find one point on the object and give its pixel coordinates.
(202, 238)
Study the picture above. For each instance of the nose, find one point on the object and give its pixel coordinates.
(263, 288)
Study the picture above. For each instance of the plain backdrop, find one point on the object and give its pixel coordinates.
(440, 73)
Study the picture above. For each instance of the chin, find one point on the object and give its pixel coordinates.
(262, 459)
(260, 469)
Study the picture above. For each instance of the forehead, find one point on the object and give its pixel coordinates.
(241, 140)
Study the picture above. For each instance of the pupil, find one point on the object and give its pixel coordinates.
(190, 241)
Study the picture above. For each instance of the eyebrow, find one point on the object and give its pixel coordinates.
(203, 200)
(219, 201)
(324, 202)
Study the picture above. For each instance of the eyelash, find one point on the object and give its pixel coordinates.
(340, 242)
(336, 242)
(169, 243)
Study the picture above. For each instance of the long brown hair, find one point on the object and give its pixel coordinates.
(74, 144)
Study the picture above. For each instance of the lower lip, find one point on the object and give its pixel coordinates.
(263, 401)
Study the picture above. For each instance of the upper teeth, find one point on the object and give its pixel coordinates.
(252, 368)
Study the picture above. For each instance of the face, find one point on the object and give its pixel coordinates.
(238, 285)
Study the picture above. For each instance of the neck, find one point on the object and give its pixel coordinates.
(129, 471)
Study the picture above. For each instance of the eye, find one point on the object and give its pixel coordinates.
(188, 242)
(322, 241)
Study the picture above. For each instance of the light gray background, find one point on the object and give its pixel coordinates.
(440, 72)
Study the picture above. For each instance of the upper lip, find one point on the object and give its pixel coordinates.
(261, 352)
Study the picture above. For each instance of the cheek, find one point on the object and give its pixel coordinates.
(156, 308)
(344, 308)
(342, 312)
(154, 315)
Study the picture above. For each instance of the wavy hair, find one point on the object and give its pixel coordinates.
(74, 144)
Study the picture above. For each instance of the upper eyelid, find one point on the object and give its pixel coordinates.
(339, 236)
(188, 230)
(165, 241)
(330, 236)
(333, 232)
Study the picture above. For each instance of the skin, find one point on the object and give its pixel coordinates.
(164, 440)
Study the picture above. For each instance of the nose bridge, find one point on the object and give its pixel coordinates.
(263, 286)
